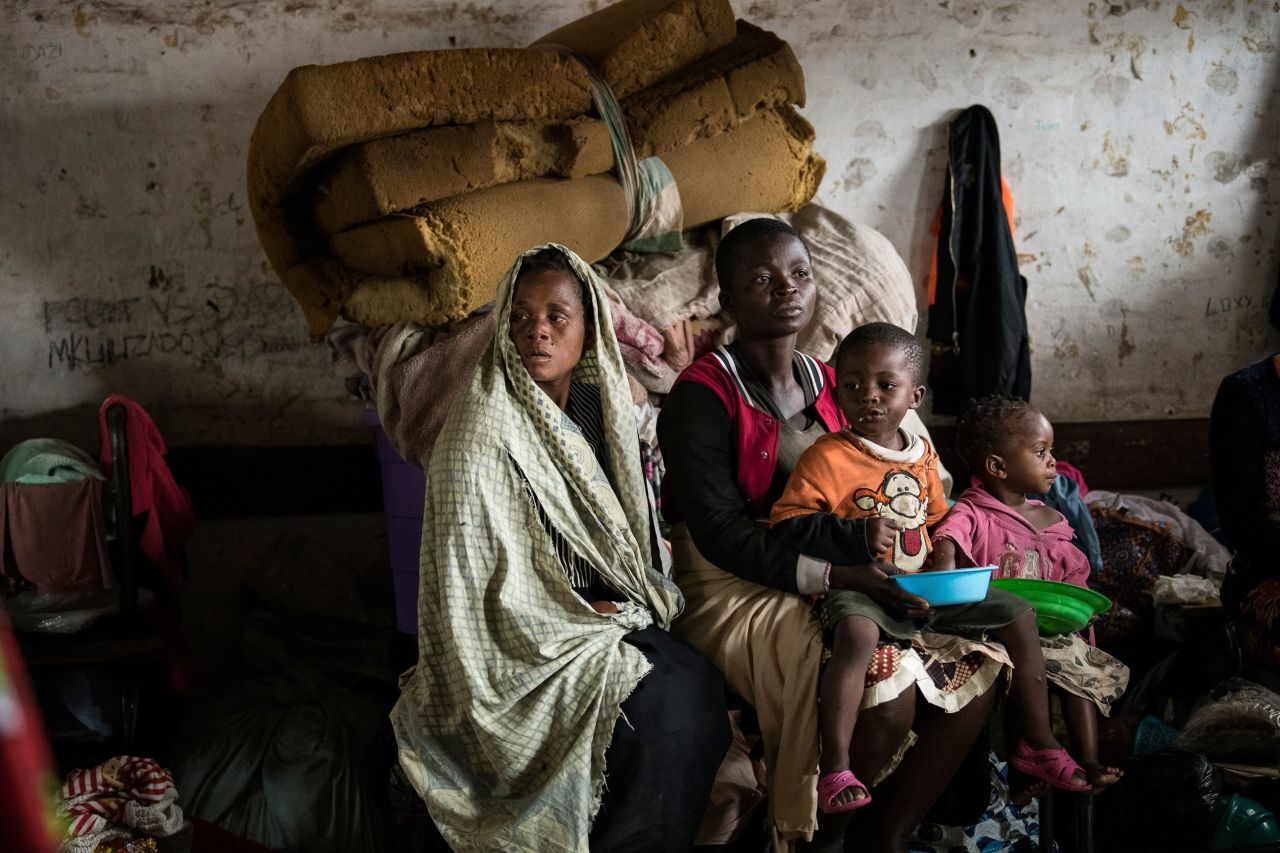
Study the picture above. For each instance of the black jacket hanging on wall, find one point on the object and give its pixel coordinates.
(977, 319)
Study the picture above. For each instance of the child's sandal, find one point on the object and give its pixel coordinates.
(1054, 767)
(832, 784)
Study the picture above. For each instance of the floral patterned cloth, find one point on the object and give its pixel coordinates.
(1084, 670)
(1134, 554)
(1003, 827)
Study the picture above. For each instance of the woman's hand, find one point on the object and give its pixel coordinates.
(605, 607)
(873, 580)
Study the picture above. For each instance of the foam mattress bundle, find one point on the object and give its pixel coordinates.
(402, 187)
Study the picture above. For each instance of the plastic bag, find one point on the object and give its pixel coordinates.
(1241, 724)
(1177, 790)
(65, 612)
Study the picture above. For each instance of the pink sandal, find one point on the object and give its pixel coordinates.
(1051, 766)
(832, 784)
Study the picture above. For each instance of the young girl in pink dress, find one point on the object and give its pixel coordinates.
(1008, 447)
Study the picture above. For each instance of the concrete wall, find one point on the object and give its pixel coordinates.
(1139, 138)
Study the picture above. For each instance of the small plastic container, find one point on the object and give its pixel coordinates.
(954, 586)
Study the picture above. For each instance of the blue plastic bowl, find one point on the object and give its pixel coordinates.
(957, 586)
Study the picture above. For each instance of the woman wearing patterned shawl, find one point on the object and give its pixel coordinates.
(549, 709)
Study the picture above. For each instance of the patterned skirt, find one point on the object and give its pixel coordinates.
(1084, 670)
(769, 646)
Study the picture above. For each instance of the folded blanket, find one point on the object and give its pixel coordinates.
(371, 180)
(319, 110)
(453, 253)
(438, 266)
(756, 71)
(636, 42)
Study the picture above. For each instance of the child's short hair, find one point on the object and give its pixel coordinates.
(753, 229)
(885, 335)
(984, 426)
(553, 260)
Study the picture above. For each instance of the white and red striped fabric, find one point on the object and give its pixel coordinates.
(118, 797)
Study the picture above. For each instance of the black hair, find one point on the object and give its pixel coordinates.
(886, 335)
(732, 244)
(985, 426)
(554, 260)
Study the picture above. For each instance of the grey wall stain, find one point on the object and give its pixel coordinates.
(1223, 79)
(858, 172)
(1220, 248)
(1118, 234)
(1125, 347)
(923, 75)
(1005, 14)
(1224, 165)
(871, 140)
(967, 13)
(1219, 12)
(1112, 87)
(1259, 44)
(1010, 91)
(1257, 174)
(1124, 7)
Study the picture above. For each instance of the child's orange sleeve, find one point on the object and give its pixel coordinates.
(812, 486)
(937, 495)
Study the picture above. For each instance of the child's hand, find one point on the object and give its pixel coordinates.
(943, 556)
(881, 533)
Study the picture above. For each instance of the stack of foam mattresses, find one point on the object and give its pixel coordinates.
(401, 187)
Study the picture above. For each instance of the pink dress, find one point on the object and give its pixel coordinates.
(988, 533)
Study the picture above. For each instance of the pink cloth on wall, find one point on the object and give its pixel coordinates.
(988, 533)
(170, 515)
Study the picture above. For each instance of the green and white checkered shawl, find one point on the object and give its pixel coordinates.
(504, 722)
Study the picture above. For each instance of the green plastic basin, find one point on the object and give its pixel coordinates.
(1060, 607)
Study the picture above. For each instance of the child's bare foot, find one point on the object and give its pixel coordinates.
(1023, 789)
(1101, 776)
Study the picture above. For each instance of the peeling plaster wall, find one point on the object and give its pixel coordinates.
(1139, 139)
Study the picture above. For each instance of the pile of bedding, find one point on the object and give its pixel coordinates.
(401, 187)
